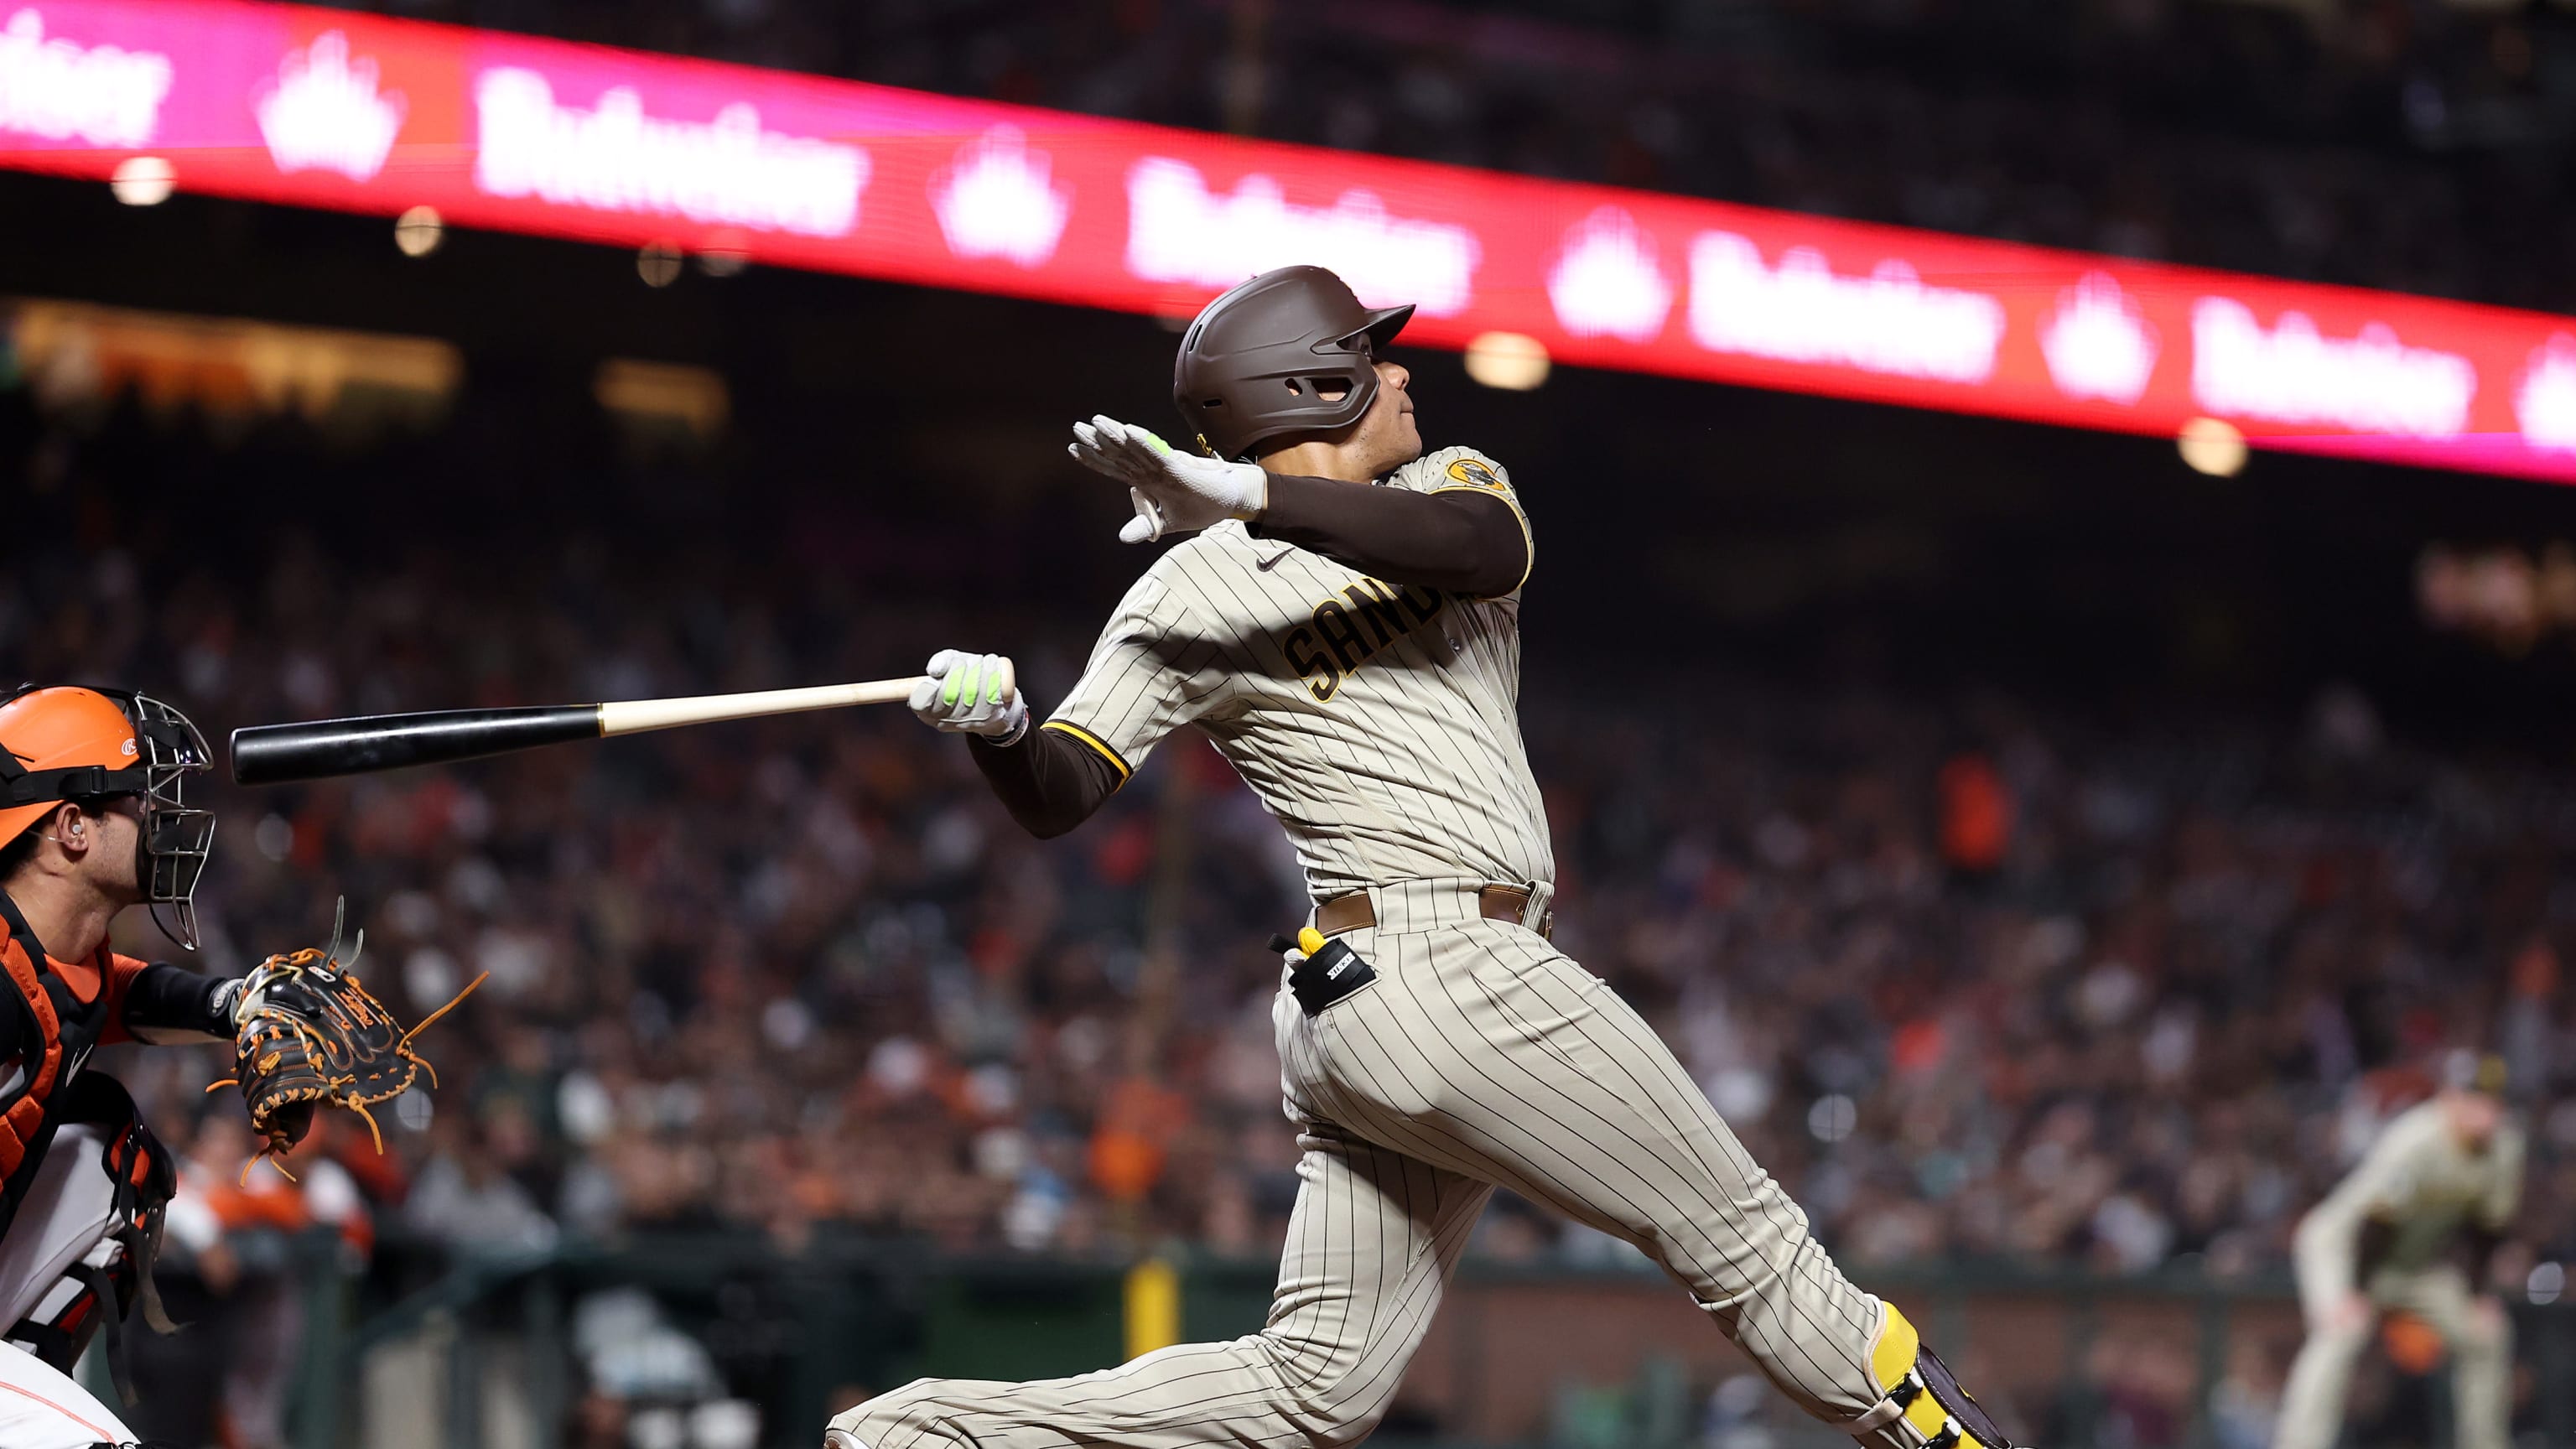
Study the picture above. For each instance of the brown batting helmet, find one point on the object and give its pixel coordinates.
(1287, 352)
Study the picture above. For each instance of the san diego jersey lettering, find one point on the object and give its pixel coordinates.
(1379, 723)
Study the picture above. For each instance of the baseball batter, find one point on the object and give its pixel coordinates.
(2388, 1238)
(1344, 624)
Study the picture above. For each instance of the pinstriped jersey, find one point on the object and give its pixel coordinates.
(1379, 723)
(2419, 1180)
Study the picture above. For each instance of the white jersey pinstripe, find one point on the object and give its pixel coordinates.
(1380, 724)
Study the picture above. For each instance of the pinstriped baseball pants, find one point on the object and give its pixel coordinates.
(1480, 1056)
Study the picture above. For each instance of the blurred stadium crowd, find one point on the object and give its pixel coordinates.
(1983, 979)
(2417, 145)
(1979, 980)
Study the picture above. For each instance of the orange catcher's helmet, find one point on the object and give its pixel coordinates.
(64, 742)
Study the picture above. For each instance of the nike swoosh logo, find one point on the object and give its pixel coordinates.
(1266, 565)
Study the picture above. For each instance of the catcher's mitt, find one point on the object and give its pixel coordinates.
(307, 1034)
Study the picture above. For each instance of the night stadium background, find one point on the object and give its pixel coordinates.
(2053, 853)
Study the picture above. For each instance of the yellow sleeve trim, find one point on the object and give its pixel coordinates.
(1529, 543)
(1088, 738)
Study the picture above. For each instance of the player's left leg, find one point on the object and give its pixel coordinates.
(1369, 1250)
(2480, 1340)
(2481, 1379)
(1481, 1048)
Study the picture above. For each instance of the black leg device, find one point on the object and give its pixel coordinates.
(1326, 976)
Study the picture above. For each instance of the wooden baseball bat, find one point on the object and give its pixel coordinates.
(311, 749)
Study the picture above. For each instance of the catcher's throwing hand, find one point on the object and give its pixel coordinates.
(308, 1035)
(1173, 492)
(971, 694)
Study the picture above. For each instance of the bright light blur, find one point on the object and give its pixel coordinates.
(663, 395)
(2212, 446)
(76, 352)
(1832, 1117)
(1512, 361)
(658, 264)
(143, 180)
(419, 231)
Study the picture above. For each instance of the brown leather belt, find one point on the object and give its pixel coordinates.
(1354, 912)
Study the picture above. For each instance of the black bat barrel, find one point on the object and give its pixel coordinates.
(309, 750)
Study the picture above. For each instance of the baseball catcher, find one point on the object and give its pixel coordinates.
(93, 820)
(1343, 621)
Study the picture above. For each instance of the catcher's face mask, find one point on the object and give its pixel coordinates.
(176, 839)
(172, 840)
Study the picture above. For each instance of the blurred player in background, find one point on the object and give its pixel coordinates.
(231, 1229)
(2443, 1175)
(1345, 625)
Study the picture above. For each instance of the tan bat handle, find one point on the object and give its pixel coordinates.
(635, 716)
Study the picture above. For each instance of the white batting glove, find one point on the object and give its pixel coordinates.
(1173, 492)
(971, 694)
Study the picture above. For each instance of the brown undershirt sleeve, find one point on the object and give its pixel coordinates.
(1460, 540)
(1048, 780)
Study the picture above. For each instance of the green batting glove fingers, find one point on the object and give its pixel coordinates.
(960, 679)
(1155, 442)
(993, 691)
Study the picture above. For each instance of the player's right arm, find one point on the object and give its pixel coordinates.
(2330, 1241)
(1456, 539)
(1465, 533)
(1150, 673)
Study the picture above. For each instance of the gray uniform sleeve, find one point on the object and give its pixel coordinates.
(1154, 669)
(2328, 1246)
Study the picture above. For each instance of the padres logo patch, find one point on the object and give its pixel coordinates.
(1473, 473)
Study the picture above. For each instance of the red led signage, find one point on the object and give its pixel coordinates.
(334, 109)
